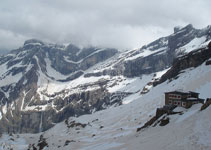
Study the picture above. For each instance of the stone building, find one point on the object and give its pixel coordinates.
(183, 99)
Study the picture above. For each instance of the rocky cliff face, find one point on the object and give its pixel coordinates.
(159, 54)
(165, 49)
(35, 64)
(192, 59)
(42, 84)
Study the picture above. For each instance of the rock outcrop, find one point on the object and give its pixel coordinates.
(192, 59)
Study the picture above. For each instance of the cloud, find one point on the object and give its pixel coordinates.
(122, 24)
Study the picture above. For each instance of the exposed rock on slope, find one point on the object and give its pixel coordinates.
(164, 50)
(192, 59)
(35, 64)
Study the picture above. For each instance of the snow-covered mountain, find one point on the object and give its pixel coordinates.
(115, 128)
(37, 77)
(42, 84)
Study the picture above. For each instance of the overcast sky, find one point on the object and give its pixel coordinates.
(123, 24)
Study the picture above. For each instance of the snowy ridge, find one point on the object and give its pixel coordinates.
(194, 44)
(145, 53)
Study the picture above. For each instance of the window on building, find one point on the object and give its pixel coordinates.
(172, 96)
(170, 102)
(183, 104)
(175, 103)
(178, 103)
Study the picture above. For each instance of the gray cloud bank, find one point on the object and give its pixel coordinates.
(123, 24)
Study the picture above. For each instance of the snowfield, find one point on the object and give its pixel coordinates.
(194, 44)
(115, 128)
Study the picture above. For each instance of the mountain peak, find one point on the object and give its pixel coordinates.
(177, 29)
(33, 41)
(181, 28)
(188, 27)
(74, 49)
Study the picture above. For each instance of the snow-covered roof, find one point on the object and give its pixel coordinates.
(194, 99)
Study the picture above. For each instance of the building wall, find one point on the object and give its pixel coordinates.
(173, 99)
(166, 99)
(195, 95)
(189, 104)
(176, 99)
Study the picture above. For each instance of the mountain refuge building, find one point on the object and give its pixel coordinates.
(183, 99)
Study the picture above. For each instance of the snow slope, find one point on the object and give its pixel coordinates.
(190, 131)
(194, 44)
(119, 130)
(115, 128)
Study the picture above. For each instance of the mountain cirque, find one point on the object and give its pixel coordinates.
(42, 84)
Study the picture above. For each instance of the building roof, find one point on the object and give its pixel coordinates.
(176, 92)
(191, 98)
(193, 92)
(180, 92)
(194, 99)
